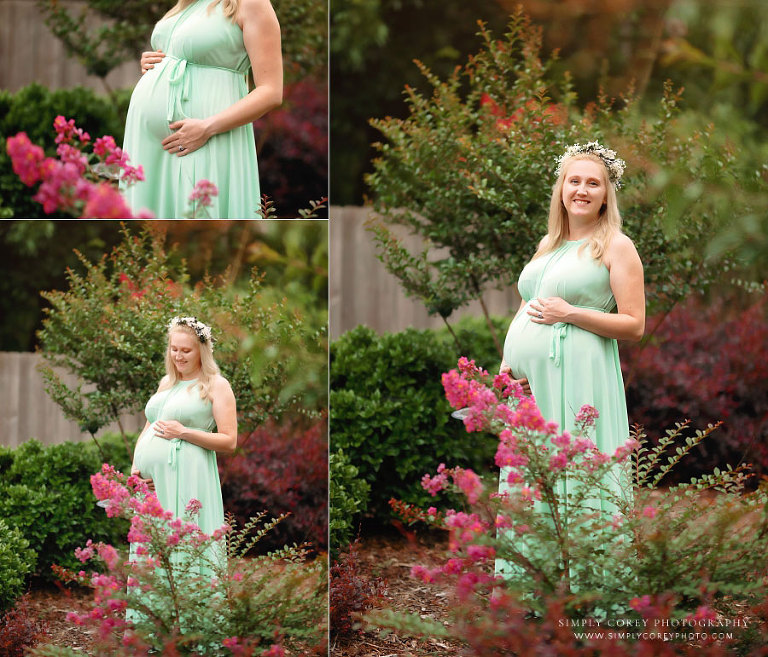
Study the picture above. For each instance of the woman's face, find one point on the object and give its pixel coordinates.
(185, 353)
(584, 191)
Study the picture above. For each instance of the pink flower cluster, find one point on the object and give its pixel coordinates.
(202, 193)
(63, 185)
(466, 480)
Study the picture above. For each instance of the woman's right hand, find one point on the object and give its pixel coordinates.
(506, 369)
(150, 484)
(150, 58)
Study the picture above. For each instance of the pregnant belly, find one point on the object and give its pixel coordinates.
(149, 104)
(527, 346)
(151, 453)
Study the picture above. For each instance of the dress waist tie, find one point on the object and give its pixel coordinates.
(174, 447)
(559, 329)
(178, 83)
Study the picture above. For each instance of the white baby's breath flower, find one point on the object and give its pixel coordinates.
(613, 163)
(203, 331)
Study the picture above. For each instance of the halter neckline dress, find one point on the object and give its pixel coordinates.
(568, 366)
(204, 72)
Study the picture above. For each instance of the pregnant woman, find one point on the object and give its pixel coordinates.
(190, 116)
(190, 418)
(582, 290)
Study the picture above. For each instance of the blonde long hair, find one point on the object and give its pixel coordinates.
(228, 8)
(608, 220)
(208, 367)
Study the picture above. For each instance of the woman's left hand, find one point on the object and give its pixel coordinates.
(549, 310)
(188, 136)
(169, 429)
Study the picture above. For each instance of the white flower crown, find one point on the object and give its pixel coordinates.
(203, 331)
(613, 162)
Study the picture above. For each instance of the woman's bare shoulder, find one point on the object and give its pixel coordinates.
(621, 247)
(219, 384)
(256, 9)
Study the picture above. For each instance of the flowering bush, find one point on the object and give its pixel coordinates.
(283, 468)
(70, 183)
(32, 110)
(684, 555)
(193, 591)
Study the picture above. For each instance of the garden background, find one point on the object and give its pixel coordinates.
(442, 173)
(92, 298)
(80, 59)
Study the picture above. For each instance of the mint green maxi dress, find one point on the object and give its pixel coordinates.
(568, 366)
(180, 470)
(203, 72)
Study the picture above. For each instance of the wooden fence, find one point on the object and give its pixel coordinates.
(27, 412)
(362, 291)
(29, 52)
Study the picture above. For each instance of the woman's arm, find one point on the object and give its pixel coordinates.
(626, 279)
(261, 36)
(225, 415)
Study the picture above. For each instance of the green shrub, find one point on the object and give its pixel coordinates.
(16, 562)
(32, 110)
(46, 495)
(349, 496)
(389, 413)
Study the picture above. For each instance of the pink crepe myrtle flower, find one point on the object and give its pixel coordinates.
(507, 456)
(558, 461)
(649, 512)
(562, 440)
(703, 613)
(480, 552)
(424, 574)
(587, 415)
(623, 451)
(203, 192)
(469, 483)
(453, 566)
(642, 604)
(66, 131)
(435, 484)
(105, 202)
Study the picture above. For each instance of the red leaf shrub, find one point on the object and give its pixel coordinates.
(292, 143)
(20, 629)
(351, 594)
(281, 469)
(707, 363)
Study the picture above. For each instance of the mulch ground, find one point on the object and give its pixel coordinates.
(384, 553)
(51, 605)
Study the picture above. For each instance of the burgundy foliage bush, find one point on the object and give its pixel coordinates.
(706, 363)
(351, 593)
(281, 469)
(20, 629)
(292, 144)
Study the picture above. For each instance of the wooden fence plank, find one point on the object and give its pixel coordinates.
(29, 52)
(362, 291)
(27, 412)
